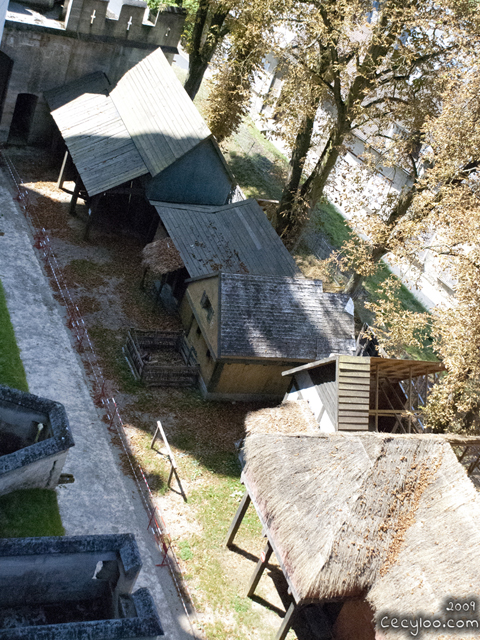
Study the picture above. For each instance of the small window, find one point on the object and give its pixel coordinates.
(207, 305)
(208, 354)
(198, 331)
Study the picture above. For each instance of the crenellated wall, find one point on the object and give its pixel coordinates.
(48, 53)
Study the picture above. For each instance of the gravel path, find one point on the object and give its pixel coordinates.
(102, 499)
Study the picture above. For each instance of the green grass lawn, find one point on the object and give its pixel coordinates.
(30, 513)
(12, 372)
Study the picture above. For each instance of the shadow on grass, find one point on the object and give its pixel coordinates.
(30, 513)
(258, 176)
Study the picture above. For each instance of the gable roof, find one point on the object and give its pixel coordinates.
(282, 317)
(95, 134)
(158, 113)
(141, 126)
(234, 238)
(392, 517)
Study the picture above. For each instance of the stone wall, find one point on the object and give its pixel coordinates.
(3, 13)
(52, 53)
(72, 587)
(37, 465)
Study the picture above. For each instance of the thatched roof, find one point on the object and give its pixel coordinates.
(287, 418)
(161, 256)
(394, 518)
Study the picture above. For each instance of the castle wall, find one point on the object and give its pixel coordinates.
(45, 57)
(3, 13)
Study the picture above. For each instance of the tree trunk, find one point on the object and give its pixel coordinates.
(196, 71)
(355, 282)
(313, 187)
(209, 29)
(285, 212)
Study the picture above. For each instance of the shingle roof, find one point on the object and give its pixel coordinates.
(282, 317)
(141, 126)
(234, 238)
(95, 135)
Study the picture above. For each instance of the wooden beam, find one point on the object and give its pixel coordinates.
(92, 213)
(66, 163)
(259, 569)
(237, 520)
(287, 622)
(73, 201)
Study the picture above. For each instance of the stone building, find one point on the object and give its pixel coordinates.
(43, 48)
(74, 587)
(34, 441)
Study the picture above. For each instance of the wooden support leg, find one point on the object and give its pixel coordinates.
(92, 212)
(259, 569)
(142, 283)
(73, 201)
(287, 623)
(237, 520)
(65, 166)
(471, 468)
(155, 436)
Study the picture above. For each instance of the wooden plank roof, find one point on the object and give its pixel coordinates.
(233, 238)
(282, 318)
(95, 135)
(158, 113)
(141, 126)
(393, 369)
(397, 370)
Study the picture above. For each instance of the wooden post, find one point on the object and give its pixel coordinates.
(73, 201)
(410, 401)
(287, 623)
(259, 569)
(159, 432)
(237, 520)
(92, 212)
(65, 166)
(142, 283)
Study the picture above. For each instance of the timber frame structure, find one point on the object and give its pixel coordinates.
(355, 393)
(263, 561)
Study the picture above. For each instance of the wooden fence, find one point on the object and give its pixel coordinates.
(139, 347)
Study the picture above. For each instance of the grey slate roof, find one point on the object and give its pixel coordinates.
(141, 126)
(234, 238)
(282, 317)
(95, 135)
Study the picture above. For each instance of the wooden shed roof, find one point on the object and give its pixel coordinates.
(393, 369)
(233, 238)
(158, 113)
(95, 134)
(141, 126)
(282, 317)
(394, 518)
